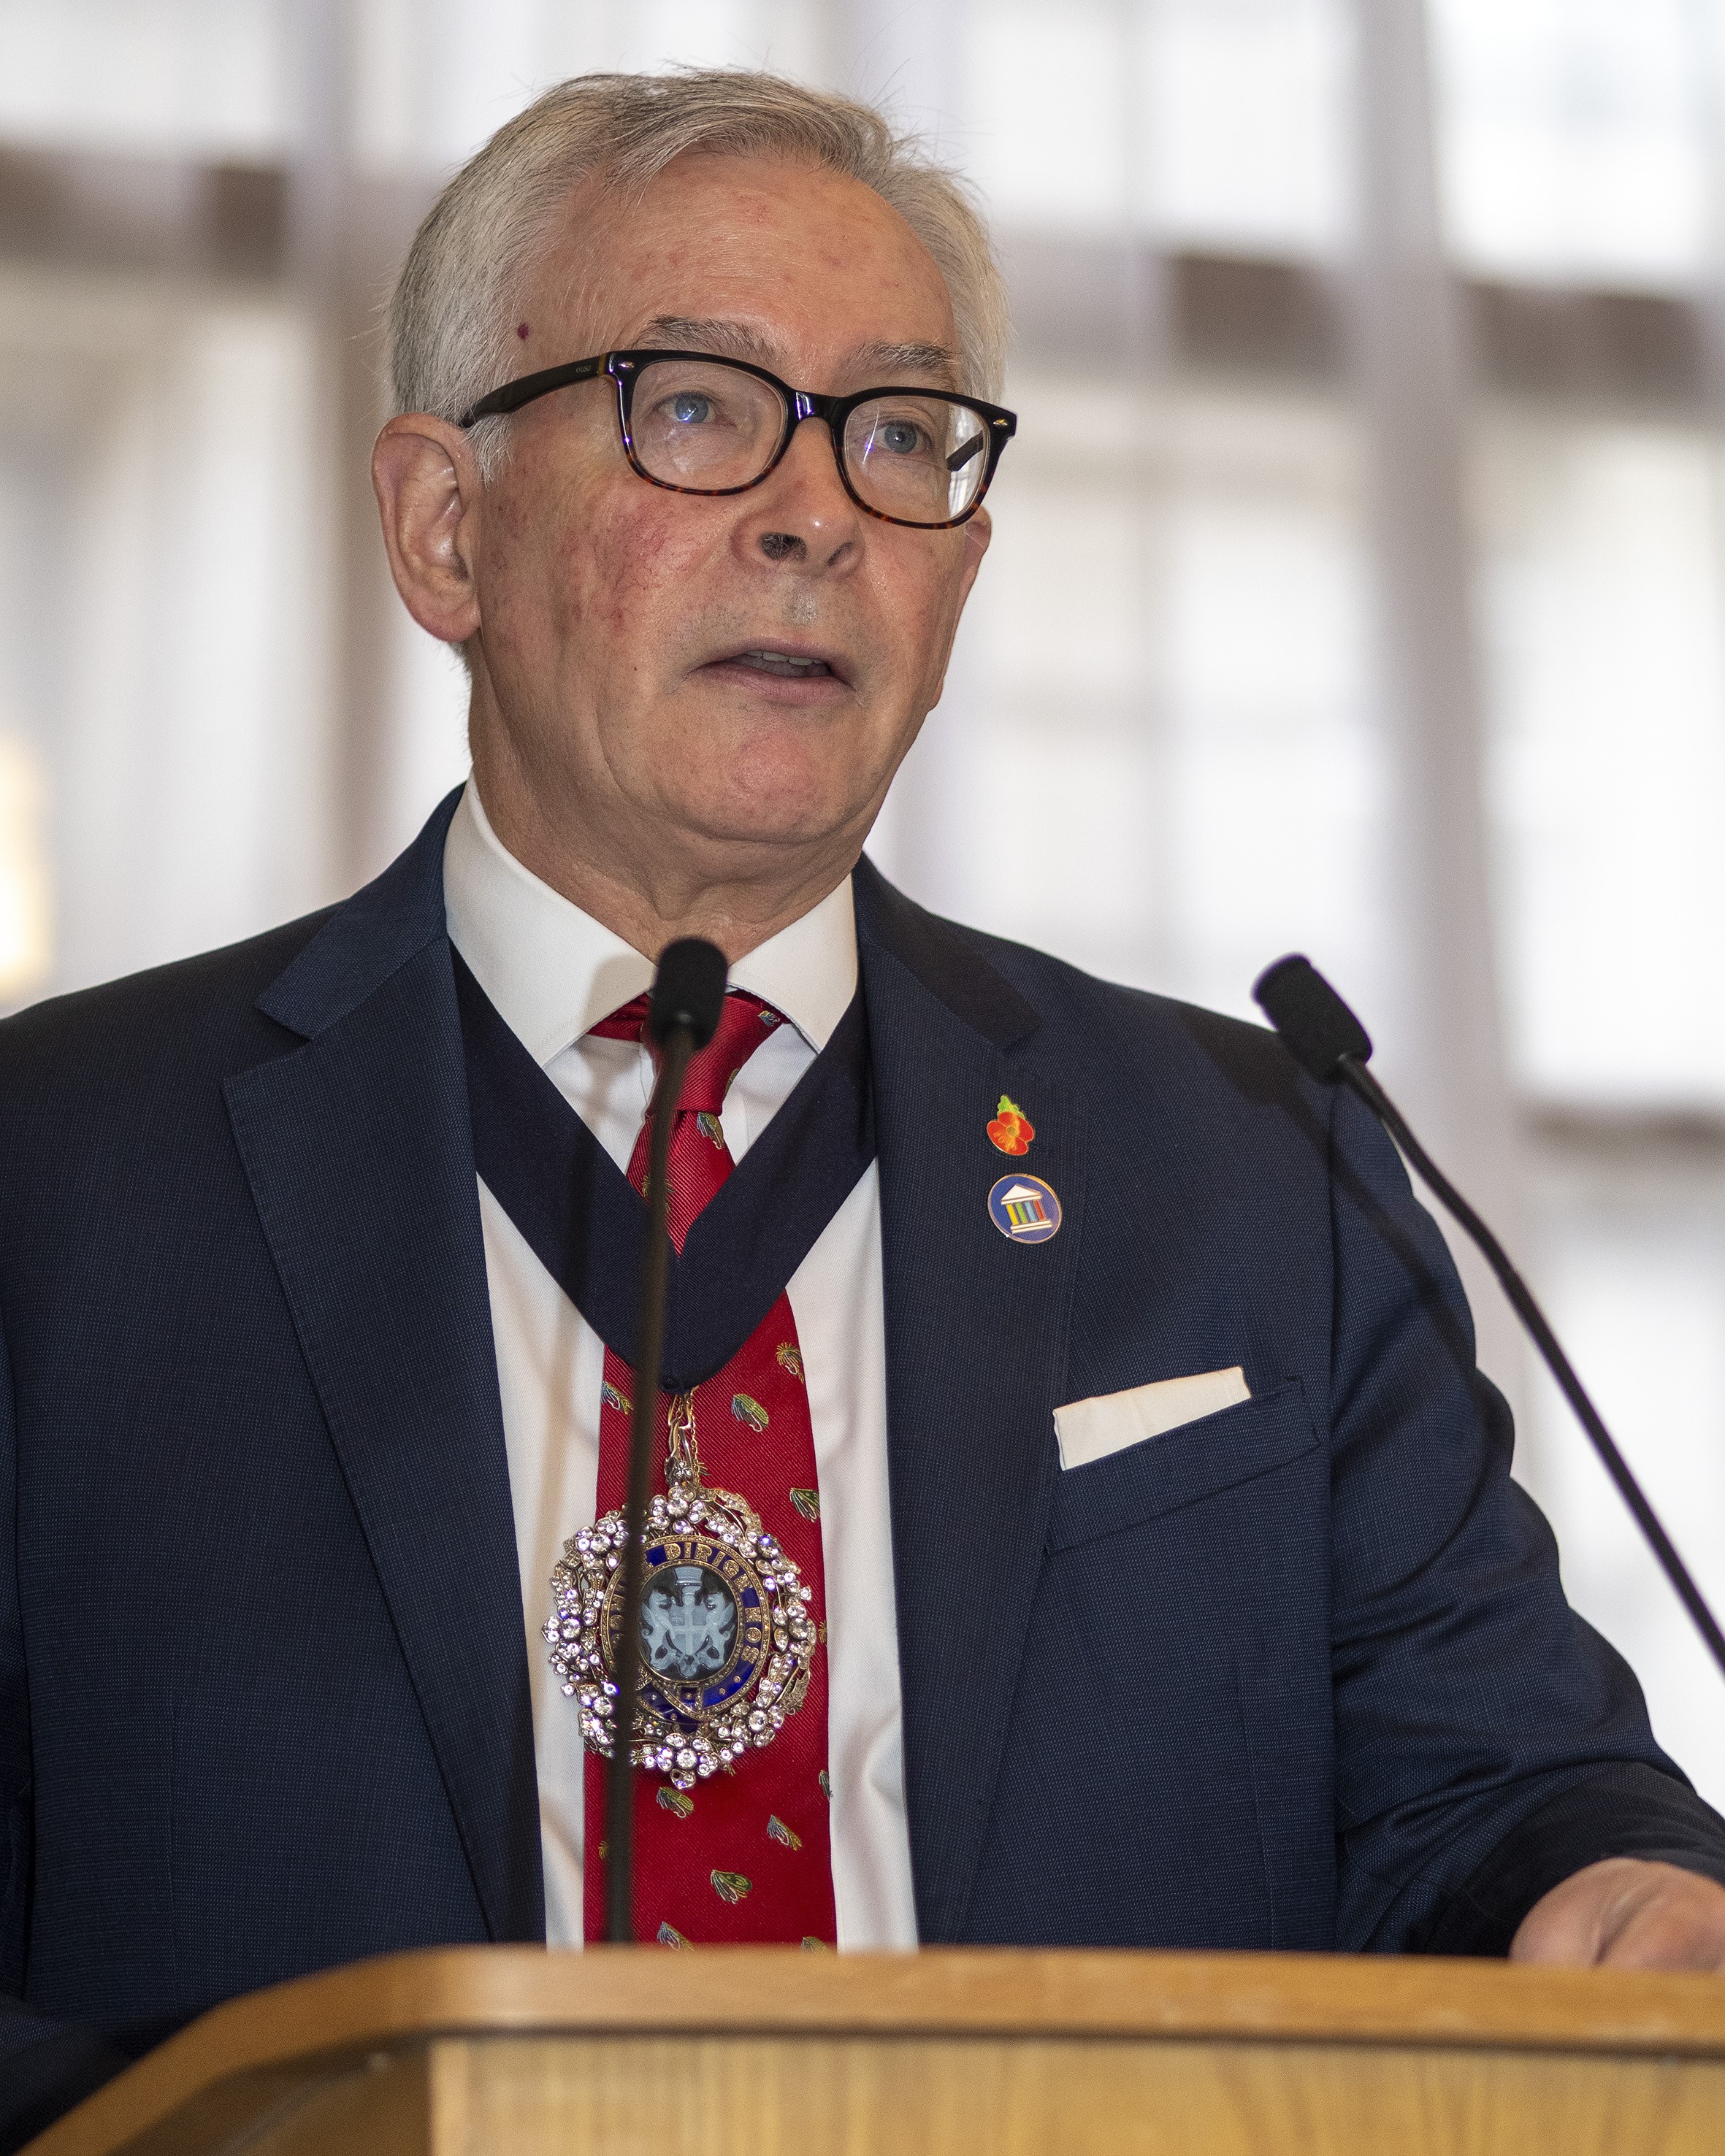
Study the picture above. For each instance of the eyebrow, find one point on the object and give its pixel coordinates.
(911, 359)
(701, 333)
(737, 340)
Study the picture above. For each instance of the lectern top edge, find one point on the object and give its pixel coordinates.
(528, 1991)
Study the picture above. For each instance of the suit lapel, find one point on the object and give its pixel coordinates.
(358, 1148)
(976, 1339)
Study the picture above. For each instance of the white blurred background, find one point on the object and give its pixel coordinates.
(1358, 586)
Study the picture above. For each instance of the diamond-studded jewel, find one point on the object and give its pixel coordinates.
(727, 1641)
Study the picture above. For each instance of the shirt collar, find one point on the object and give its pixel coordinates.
(553, 971)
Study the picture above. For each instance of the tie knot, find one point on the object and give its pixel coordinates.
(743, 1023)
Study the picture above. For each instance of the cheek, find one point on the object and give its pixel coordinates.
(919, 601)
(524, 522)
(585, 550)
(629, 562)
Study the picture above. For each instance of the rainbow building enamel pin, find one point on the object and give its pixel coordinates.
(1024, 1209)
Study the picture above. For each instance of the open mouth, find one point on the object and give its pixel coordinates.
(778, 663)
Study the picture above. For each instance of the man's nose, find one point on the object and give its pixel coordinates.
(800, 516)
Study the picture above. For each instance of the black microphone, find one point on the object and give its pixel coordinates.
(682, 1016)
(1330, 1043)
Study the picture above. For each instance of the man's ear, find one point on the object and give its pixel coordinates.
(427, 483)
(978, 532)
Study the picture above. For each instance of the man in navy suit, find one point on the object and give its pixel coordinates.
(1170, 1585)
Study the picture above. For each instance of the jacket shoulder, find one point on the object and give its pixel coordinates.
(198, 1011)
(1107, 1012)
(1100, 1024)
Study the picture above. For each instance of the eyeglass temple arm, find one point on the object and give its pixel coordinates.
(526, 387)
(1005, 425)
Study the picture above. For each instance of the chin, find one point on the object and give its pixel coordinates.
(777, 802)
(778, 818)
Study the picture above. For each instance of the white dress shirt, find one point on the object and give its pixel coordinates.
(553, 972)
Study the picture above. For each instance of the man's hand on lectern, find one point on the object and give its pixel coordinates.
(1627, 1913)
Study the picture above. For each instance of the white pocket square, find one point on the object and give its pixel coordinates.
(1087, 1431)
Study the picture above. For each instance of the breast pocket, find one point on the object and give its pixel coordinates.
(1183, 1467)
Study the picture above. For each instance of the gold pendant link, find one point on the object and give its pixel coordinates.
(683, 1464)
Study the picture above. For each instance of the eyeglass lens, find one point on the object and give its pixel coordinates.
(708, 427)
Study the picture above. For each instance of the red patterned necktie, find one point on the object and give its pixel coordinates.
(746, 1856)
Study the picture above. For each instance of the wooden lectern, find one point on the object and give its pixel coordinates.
(511, 2051)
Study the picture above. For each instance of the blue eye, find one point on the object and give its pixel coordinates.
(689, 408)
(900, 437)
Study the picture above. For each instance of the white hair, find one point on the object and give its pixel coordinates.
(450, 315)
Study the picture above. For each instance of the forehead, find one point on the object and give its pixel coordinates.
(814, 263)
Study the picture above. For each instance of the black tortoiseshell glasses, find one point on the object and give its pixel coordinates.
(702, 425)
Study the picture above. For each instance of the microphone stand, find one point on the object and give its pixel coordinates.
(1328, 1043)
(1354, 1072)
(643, 1427)
(682, 1016)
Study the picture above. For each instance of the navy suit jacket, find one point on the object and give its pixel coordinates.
(1299, 1675)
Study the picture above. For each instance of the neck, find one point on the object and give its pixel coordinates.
(654, 903)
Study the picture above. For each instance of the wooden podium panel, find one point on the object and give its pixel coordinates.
(719, 2051)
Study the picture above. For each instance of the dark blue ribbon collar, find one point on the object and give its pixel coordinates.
(583, 1220)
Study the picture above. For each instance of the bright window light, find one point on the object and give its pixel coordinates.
(162, 77)
(1601, 578)
(1047, 106)
(26, 912)
(1159, 761)
(1573, 137)
(1636, 1283)
(1243, 124)
(1214, 123)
